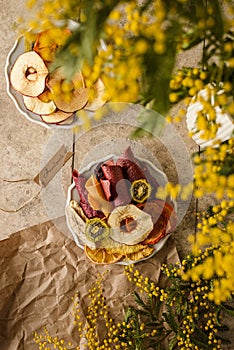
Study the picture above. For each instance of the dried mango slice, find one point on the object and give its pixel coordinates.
(140, 190)
(96, 196)
(96, 229)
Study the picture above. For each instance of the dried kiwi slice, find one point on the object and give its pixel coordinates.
(140, 190)
(96, 229)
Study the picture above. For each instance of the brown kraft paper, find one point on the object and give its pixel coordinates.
(42, 269)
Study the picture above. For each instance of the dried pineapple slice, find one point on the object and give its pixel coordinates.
(102, 256)
(143, 253)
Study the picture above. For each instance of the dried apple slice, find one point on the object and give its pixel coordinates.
(28, 74)
(39, 105)
(69, 96)
(98, 100)
(67, 121)
(55, 117)
(78, 101)
(96, 196)
(144, 224)
(49, 41)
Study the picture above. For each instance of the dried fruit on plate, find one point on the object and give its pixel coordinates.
(75, 205)
(118, 185)
(39, 104)
(30, 77)
(125, 249)
(56, 117)
(77, 224)
(96, 196)
(130, 166)
(121, 232)
(171, 215)
(96, 96)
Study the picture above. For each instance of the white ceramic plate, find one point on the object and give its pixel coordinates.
(87, 171)
(224, 131)
(16, 51)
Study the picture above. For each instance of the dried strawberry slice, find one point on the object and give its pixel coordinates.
(134, 172)
(118, 187)
(127, 155)
(113, 173)
(131, 169)
(98, 170)
(106, 186)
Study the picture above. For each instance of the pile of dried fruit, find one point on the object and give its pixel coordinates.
(51, 95)
(118, 216)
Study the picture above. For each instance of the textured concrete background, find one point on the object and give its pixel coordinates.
(24, 145)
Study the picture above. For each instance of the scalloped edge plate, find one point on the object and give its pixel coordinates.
(17, 49)
(224, 131)
(72, 194)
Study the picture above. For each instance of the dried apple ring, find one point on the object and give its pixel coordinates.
(144, 224)
(68, 95)
(56, 117)
(38, 106)
(98, 99)
(28, 74)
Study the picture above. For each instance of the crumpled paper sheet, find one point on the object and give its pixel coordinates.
(42, 269)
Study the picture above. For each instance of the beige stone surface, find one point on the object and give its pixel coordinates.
(21, 143)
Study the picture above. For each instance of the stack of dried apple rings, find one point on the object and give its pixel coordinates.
(51, 95)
